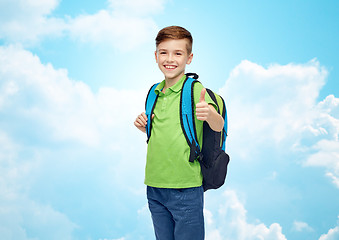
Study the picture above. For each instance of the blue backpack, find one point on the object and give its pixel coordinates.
(212, 156)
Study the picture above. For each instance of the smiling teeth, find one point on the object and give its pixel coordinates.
(170, 67)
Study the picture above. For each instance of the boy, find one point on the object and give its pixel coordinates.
(174, 185)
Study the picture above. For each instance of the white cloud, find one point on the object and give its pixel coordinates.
(276, 107)
(144, 227)
(230, 222)
(125, 24)
(55, 132)
(273, 104)
(43, 95)
(326, 150)
(334, 178)
(300, 226)
(20, 217)
(329, 114)
(27, 21)
(122, 31)
(327, 156)
(332, 234)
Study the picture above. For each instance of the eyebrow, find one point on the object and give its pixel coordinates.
(177, 50)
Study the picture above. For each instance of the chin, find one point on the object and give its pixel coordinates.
(172, 75)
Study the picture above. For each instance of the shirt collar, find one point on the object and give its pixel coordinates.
(175, 88)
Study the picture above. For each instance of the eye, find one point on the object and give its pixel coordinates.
(162, 52)
(178, 53)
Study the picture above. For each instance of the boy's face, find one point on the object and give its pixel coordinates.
(172, 57)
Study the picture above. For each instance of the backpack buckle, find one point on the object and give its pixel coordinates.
(195, 153)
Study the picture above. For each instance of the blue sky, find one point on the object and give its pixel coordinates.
(74, 75)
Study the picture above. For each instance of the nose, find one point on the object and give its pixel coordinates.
(170, 57)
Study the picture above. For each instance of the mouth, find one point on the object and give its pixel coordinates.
(170, 67)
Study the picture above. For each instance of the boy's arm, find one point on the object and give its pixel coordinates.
(206, 112)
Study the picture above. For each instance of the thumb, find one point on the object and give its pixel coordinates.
(152, 116)
(202, 95)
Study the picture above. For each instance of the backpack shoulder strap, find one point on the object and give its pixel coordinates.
(187, 118)
(151, 100)
(224, 115)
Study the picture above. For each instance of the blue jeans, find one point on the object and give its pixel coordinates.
(177, 214)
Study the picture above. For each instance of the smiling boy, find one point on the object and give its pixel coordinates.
(174, 185)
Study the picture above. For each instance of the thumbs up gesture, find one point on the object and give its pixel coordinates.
(202, 109)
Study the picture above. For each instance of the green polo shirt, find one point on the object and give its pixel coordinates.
(167, 163)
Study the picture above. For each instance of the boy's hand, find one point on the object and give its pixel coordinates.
(141, 122)
(206, 112)
(203, 110)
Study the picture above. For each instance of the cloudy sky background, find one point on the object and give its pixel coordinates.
(74, 75)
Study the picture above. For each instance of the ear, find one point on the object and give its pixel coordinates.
(190, 58)
(156, 56)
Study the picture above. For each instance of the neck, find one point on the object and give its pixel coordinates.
(169, 82)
